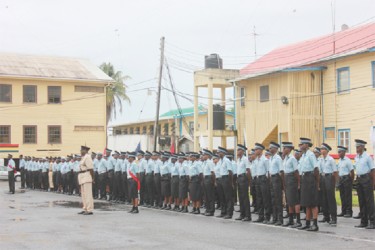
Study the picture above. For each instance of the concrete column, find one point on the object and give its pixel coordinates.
(210, 115)
(223, 138)
(196, 114)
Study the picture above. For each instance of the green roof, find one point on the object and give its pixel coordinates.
(184, 111)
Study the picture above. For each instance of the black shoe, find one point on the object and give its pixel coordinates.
(209, 214)
(340, 215)
(333, 223)
(197, 211)
(259, 220)
(88, 213)
(371, 226)
(313, 228)
(297, 225)
(288, 224)
(271, 222)
(169, 207)
(361, 225)
(131, 211)
(220, 216)
(82, 212)
(324, 220)
(239, 218)
(347, 216)
(265, 221)
(304, 227)
(286, 216)
(247, 219)
(135, 211)
(227, 217)
(186, 210)
(279, 223)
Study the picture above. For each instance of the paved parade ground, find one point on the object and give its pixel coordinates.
(41, 220)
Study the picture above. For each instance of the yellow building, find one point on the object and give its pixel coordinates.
(50, 106)
(174, 126)
(320, 88)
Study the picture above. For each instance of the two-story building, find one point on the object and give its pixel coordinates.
(321, 88)
(50, 106)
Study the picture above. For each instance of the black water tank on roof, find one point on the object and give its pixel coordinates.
(213, 61)
(219, 117)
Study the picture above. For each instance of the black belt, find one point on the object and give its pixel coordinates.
(110, 170)
(175, 176)
(149, 174)
(327, 174)
(290, 174)
(345, 176)
(241, 175)
(183, 177)
(362, 176)
(194, 176)
(82, 171)
(262, 176)
(224, 176)
(307, 173)
(255, 177)
(218, 179)
(273, 175)
(207, 176)
(157, 173)
(164, 175)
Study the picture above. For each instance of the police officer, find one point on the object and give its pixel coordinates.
(243, 176)
(291, 182)
(183, 183)
(124, 177)
(174, 183)
(195, 180)
(346, 175)
(142, 163)
(366, 182)
(45, 169)
(275, 172)
(309, 184)
(226, 182)
(330, 176)
(208, 168)
(253, 178)
(102, 171)
(234, 178)
(157, 179)
(96, 175)
(11, 167)
(263, 188)
(165, 178)
(118, 176)
(111, 163)
(23, 172)
(149, 179)
(133, 182)
(85, 178)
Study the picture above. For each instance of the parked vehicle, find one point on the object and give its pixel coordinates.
(4, 174)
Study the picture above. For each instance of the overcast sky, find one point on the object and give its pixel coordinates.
(127, 34)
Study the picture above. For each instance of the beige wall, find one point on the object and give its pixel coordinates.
(76, 109)
(353, 110)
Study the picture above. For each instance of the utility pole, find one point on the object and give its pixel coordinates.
(255, 43)
(159, 89)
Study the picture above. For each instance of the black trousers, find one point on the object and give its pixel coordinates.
(27, 173)
(243, 195)
(366, 199)
(142, 192)
(228, 195)
(111, 181)
(45, 180)
(23, 177)
(346, 189)
(329, 198)
(263, 197)
(235, 189)
(71, 181)
(209, 191)
(253, 192)
(95, 185)
(54, 179)
(150, 189)
(12, 187)
(158, 198)
(103, 184)
(124, 181)
(277, 198)
(36, 179)
(117, 185)
(220, 195)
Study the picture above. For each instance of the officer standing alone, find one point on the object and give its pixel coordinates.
(85, 179)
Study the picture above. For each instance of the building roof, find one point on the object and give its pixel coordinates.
(184, 111)
(50, 67)
(343, 43)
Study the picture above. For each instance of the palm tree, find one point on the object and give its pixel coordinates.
(116, 91)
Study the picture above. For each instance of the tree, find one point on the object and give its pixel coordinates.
(116, 91)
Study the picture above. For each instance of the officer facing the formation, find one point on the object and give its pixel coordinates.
(329, 173)
(366, 183)
(263, 188)
(209, 182)
(309, 184)
(133, 182)
(243, 183)
(346, 175)
(11, 168)
(85, 179)
(275, 171)
(291, 182)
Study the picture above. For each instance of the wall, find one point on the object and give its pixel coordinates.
(77, 109)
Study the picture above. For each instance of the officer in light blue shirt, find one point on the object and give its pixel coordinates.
(149, 178)
(251, 171)
(102, 171)
(133, 182)
(329, 170)
(227, 183)
(364, 169)
(346, 174)
(243, 183)
(275, 167)
(195, 177)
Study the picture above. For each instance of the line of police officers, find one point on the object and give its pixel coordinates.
(306, 180)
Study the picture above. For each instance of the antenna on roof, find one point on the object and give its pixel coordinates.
(254, 34)
(333, 12)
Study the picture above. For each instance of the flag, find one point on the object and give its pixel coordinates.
(138, 148)
(173, 148)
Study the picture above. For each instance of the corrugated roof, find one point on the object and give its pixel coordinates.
(184, 111)
(50, 67)
(351, 41)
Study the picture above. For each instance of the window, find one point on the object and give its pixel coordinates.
(344, 138)
(125, 131)
(159, 129)
(329, 133)
(137, 130)
(373, 73)
(144, 130)
(166, 129)
(191, 128)
(93, 89)
(131, 131)
(5, 93)
(54, 94)
(29, 134)
(151, 130)
(242, 95)
(54, 134)
(264, 93)
(4, 134)
(343, 80)
(29, 93)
